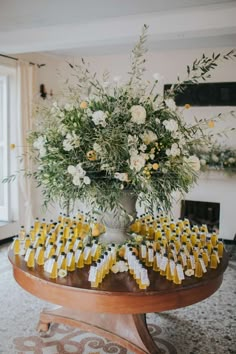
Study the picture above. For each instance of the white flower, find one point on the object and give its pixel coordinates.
(170, 125)
(174, 151)
(203, 162)
(148, 137)
(143, 147)
(87, 180)
(121, 176)
(214, 158)
(132, 140)
(157, 120)
(97, 148)
(99, 118)
(194, 162)
(138, 114)
(39, 142)
(231, 160)
(71, 141)
(77, 180)
(137, 161)
(42, 151)
(80, 171)
(69, 107)
(71, 169)
(62, 129)
(170, 103)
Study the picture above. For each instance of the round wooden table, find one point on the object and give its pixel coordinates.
(116, 310)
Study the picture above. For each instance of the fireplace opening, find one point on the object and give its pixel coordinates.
(200, 213)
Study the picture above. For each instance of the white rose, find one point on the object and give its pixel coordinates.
(174, 151)
(138, 114)
(194, 162)
(231, 160)
(99, 118)
(170, 103)
(137, 161)
(170, 125)
(71, 169)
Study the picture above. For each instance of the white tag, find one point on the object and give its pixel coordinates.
(13, 243)
(48, 249)
(172, 267)
(67, 246)
(144, 277)
(150, 255)
(94, 249)
(174, 255)
(202, 265)
(92, 274)
(58, 249)
(47, 241)
(183, 256)
(158, 259)
(163, 264)
(143, 251)
(69, 259)
(87, 251)
(60, 260)
(35, 242)
(28, 254)
(76, 245)
(180, 272)
(192, 261)
(217, 257)
(77, 255)
(50, 265)
(37, 252)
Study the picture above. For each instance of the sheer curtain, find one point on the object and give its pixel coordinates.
(25, 91)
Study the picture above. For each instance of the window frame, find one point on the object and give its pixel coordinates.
(4, 142)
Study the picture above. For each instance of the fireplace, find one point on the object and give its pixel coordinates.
(213, 188)
(199, 212)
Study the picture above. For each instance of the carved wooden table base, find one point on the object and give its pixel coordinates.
(129, 331)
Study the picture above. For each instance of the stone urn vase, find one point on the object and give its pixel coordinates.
(118, 220)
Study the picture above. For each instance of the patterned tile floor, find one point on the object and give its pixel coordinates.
(205, 328)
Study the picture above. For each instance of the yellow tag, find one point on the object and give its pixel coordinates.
(189, 272)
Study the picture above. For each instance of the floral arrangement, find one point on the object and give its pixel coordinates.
(104, 137)
(217, 157)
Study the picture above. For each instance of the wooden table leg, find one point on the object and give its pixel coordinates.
(127, 330)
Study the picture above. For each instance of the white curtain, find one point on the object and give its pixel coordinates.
(25, 92)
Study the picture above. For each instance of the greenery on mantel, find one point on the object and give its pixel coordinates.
(217, 158)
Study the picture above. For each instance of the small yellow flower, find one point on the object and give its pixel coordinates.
(211, 124)
(187, 106)
(12, 146)
(83, 105)
(155, 166)
(91, 155)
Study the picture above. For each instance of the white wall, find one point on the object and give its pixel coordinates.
(168, 63)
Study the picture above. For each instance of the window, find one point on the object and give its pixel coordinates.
(4, 188)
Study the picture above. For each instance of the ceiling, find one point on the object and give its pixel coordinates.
(91, 27)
